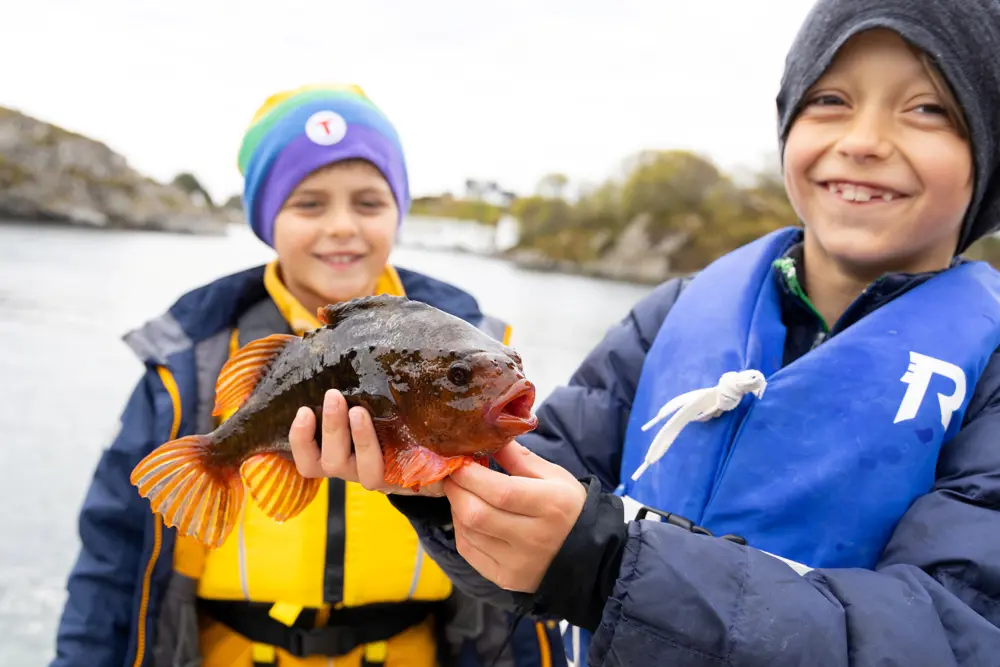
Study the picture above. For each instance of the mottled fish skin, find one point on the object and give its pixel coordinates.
(297, 378)
(441, 394)
(368, 353)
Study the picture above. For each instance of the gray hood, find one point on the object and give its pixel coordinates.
(962, 36)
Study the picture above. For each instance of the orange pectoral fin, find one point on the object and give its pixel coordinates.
(201, 501)
(241, 373)
(276, 485)
(414, 466)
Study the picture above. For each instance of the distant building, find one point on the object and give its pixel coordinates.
(488, 192)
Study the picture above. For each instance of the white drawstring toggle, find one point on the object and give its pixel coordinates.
(699, 405)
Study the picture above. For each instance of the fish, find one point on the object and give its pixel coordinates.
(442, 394)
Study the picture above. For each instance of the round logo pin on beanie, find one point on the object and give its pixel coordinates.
(326, 128)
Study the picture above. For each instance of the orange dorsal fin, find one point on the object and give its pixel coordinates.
(198, 498)
(243, 371)
(276, 485)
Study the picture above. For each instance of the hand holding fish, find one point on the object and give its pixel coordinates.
(510, 528)
(335, 457)
(431, 392)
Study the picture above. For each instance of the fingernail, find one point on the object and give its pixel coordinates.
(329, 403)
(300, 417)
(355, 417)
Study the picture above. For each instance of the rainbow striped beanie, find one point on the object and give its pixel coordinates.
(296, 132)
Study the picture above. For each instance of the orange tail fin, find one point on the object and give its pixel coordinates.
(276, 485)
(415, 466)
(199, 499)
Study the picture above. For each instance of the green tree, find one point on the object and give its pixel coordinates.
(191, 185)
(674, 191)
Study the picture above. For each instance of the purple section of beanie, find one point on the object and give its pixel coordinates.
(302, 156)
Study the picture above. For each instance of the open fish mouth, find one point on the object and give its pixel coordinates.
(513, 408)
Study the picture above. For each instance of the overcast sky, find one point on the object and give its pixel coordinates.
(499, 91)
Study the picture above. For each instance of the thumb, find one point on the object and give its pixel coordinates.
(521, 462)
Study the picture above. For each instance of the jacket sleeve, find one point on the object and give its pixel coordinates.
(97, 617)
(933, 600)
(581, 425)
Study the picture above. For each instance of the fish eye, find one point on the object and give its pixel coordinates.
(459, 373)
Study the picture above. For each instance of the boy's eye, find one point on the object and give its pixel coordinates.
(934, 109)
(371, 204)
(825, 100)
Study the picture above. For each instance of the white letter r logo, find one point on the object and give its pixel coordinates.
(918, 376)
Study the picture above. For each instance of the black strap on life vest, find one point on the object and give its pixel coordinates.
(263, 319)
(345, 630)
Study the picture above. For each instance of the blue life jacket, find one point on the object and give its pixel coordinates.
(820, 469)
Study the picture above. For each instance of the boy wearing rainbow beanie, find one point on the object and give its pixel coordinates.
(325, 186)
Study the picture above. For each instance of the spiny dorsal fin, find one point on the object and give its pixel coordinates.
(335, 313)
(243, 371)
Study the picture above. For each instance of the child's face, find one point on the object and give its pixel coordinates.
(334, 233)
(874, 167)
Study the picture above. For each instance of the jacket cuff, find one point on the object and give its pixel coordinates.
(582, 576)
(432, 512)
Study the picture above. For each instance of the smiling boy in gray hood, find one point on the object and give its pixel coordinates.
(858, 496)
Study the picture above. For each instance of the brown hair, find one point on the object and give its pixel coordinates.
(942, 88)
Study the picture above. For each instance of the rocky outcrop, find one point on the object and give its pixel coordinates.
(630, 257)
(50, 174)
(665, 213)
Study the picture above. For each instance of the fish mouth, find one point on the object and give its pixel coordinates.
(512, 411)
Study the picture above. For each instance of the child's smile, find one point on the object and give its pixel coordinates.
(861, 193)
(875, 163)
(340, 261)
(335, 232)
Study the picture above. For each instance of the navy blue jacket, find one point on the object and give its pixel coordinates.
(116, 587)
(658, 594)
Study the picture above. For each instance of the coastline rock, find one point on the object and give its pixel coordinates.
(630, 257)
(48, 174)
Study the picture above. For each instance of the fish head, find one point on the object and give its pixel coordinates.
(442, 382)
(469, 401)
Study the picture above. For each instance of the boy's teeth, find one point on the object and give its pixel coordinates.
(858, 192)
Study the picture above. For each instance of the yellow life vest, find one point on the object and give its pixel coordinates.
(290, 566)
